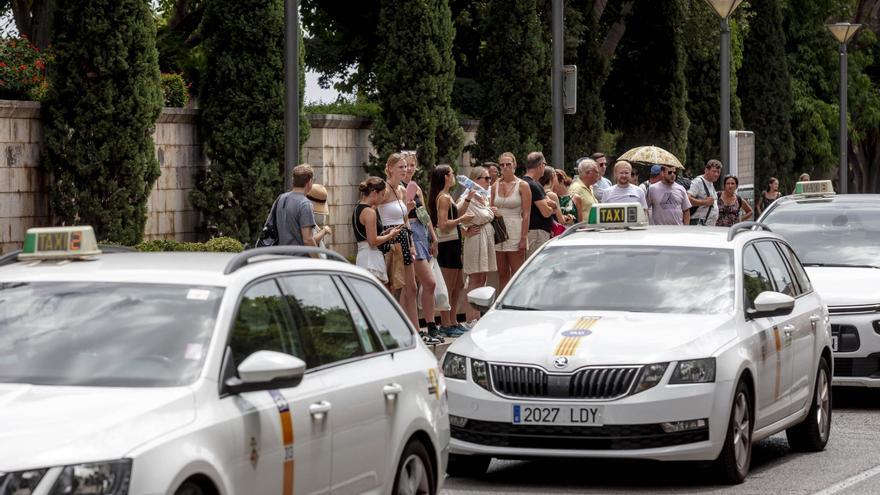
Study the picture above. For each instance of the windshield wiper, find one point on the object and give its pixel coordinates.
(517, 308)
(840, 265)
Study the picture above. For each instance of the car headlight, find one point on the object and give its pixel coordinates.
(480, 373)
(455, 366)
(20, 483)
(694, 371)
(100, 478)
(650, 376)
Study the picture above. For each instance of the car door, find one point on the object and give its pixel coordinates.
(772, 363)
(357, 375)
(282, 447)
(807, 313)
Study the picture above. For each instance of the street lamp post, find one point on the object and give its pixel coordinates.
(291, 90)
(843, 32)
(556, 88)
(725, 8)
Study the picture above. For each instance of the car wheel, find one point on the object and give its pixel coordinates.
(189, 488)
(812, 434)
(467, 466)
(736, 454)
(414, 473)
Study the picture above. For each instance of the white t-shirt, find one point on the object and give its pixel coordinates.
(668, 203)
(698, 191)
(628, 194)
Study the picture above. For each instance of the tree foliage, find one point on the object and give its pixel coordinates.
(242, 115)
(516, 108)
(414, 79)
(103, 100)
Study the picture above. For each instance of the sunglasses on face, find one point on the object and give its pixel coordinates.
(484, 178)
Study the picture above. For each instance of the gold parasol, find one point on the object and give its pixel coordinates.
(651, 155)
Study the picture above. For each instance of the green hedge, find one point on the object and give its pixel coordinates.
(174, 87)
(365, 109)
(215, 245)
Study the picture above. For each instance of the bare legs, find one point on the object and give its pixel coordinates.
(420, 270)
(508, 263)
(454, 282)
(475, 280)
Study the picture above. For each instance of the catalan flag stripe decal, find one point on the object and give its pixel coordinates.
(287, 437)
(569, 345)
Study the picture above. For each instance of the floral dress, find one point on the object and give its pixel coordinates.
(728, 214)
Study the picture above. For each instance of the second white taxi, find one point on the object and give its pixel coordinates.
(617, 340)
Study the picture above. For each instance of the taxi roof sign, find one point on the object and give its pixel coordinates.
(618, 216)
(59, 243)
(814, 187)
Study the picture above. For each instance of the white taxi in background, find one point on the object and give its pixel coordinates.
(264, 372)
(667, 343)
(837, 237)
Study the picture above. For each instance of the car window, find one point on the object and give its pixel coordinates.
(392, 328)
(777, 268)
(799, 273)
(755, 277)
(322, 317)
(369, 340)
(262, 324)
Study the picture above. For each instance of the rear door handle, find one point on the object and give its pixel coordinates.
(815, 318)
(392, 390)
(319, 409)
(788, 328)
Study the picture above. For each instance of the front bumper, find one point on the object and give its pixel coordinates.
(857, 360)
(631, 426)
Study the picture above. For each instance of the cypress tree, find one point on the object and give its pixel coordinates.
(515, 77)
(415, 73)
(646, 92)
(103, 101)
(242, 116)
(765, 90)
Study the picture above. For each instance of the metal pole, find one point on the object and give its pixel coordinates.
(291, 90)
(556, 92)
(725, 98)
(844, 179)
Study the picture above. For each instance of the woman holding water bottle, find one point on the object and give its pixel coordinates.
(479, 248)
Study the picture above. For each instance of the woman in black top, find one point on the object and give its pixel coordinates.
(767, 197)
(366, 227)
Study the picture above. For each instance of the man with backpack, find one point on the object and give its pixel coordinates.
(292, 218)
(702, 195)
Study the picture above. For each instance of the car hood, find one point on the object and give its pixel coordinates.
(45, 426)
(842, 286)
(594, 338)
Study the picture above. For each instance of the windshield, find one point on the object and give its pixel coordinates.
(831, 232)
(656, 279)
(104, 334)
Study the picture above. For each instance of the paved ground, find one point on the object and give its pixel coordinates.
(849, 465)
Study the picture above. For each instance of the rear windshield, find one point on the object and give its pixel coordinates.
(654, 279)
(831, 232)
(104, 334)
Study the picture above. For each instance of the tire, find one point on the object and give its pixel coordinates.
(414, 475)
(736, 454)
(189, 488)
(467, 466)
(812, 434)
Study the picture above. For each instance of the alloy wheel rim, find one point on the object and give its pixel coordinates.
(413, 477)
(823, 405)
(741, 430)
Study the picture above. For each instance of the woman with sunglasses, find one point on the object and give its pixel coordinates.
(479, 242)
(445, 215)
(366, 226)
(513, 199)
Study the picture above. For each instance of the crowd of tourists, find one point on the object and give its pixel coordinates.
(430, 248)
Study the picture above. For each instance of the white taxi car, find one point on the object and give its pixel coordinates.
(209, 373)
(667, 343)
(837, 237)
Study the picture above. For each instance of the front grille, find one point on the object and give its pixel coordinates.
(854, 310)
(847, 337)
(867, 367)
(589, 383)
(609, 437)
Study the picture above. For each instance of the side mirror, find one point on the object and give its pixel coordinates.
(770, 303)
(482, 298)
(266, 370)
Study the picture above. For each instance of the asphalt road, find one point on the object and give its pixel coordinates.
(849, 465)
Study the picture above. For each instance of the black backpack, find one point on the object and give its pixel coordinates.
(269, 234)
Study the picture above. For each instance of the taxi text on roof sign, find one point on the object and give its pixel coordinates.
(59, 243)
(617, 215)
(821, 187)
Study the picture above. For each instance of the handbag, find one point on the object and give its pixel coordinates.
(500, 227)
(423, 216)
(556, 229)
(269, 234)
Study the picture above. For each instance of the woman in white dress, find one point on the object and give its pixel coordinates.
(512, 198)
(479, 244)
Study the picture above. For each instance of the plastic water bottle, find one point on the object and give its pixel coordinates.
(468, 184)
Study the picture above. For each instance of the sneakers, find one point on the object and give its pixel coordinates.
(426, 338)
(468, 325)
(452, 331)
(434, 333)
